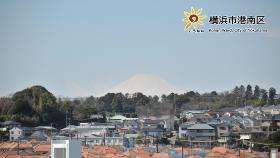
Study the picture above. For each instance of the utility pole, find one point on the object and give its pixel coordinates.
(210, 142)
(174, 113)
(18, 146)
(239, 152)
(51, 130)
(182, 149)
(145, 141)
(69, 124)
(157, 143)
(104, 140)
(66, 118)
(85, 140)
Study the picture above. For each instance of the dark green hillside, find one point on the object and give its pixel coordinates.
(33, 106)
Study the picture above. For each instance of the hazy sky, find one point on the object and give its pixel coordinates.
(85, 47)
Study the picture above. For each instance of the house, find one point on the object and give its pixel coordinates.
(17, 133)
(96, 116)
(45, 129)
(227, 139)
(153, 127)
(154, 123)
(201, 118)
(120, 118)
(270, 123)
(90, 130)
(151, 131)
(10, 124)
(258, 116)
(249, 123)
(169, 120)
(251, 134)
(114, 141)
(39, 136)
(201, 135)
(190, 113)
(229, 119)
(223, 128)
(130, 140)
(245, 110)
(132, 124)
(110, 127)
(183, 128)
(255, 111)
(271, 109)
(225, 134)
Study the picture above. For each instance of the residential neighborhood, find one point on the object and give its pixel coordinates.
(198, 131)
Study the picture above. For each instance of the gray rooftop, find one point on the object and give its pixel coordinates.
(200, 126)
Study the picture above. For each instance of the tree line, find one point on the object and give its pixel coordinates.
(37, 106)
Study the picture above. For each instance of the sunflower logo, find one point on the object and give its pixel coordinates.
(193, 18)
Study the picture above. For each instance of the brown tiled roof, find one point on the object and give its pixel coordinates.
(42, 148)
(222, 150)
(160, 155)
(194, 156)
(25, 145)
(140, 152)
(103, 152)
(8, 145)
(35, 156)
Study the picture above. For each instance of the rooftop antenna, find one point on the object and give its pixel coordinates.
(66, 118)
(172, 113)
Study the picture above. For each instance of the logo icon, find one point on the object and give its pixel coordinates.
(194, 18)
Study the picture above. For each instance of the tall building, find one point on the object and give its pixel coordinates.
(66, 149)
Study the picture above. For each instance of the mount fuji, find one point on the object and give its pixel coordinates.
(146, 84)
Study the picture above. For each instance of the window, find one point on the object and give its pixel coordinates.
(60, 152)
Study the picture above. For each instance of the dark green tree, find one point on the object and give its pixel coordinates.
(271, 95)
(264, 96)
(214, 93)
(273, 138)
(257, 92)
(249, 92)
(236, 91)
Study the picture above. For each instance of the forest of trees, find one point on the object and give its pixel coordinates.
(37, 106)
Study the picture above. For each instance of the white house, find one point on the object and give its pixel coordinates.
(89, 130)
(120, 118)
(271, 109)
(104, 140)
(275, 110)
(245, 110)
(190, 113)
(18, 132)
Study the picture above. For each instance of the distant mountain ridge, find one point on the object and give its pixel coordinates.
(146, 84)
